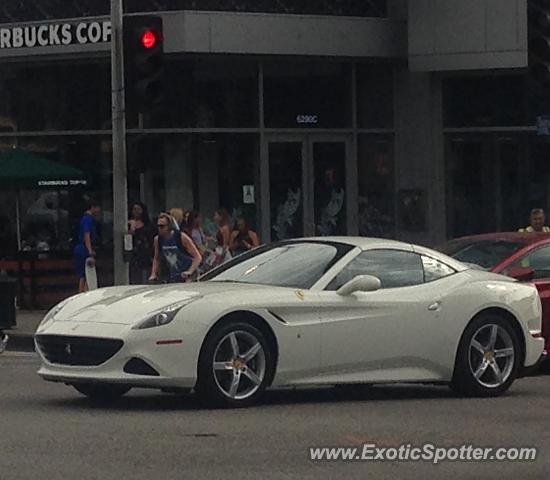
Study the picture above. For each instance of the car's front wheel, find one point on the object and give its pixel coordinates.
(235, 366)
(100, 392)
(488, 357)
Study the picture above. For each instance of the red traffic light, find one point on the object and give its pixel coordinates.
(149, 39)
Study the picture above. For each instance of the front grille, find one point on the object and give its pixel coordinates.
(78, 351)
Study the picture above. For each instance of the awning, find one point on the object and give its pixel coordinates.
(21, 170)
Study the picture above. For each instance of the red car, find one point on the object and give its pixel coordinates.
(525, 256)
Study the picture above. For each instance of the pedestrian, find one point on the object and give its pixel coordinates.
(139, 226)
(537, 220)
(243, 238)
(222, 253)
(193, 228)
(84, 250)
(176, 249)
(178, 214)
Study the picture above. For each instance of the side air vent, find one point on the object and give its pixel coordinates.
(280, 319)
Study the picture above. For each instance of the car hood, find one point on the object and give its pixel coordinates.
(127, 305)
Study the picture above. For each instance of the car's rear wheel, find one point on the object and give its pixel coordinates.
(488, 357)
(101, 392)
(235, 366)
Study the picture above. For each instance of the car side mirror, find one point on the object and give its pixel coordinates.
(523, 274)
(361, 283)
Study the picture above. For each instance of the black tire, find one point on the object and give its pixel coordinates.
(209, 386)
(101, 392)
(464, 381)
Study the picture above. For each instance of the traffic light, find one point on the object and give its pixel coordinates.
(143, 59)
(539, 40)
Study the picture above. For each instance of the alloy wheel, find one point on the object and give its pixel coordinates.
(491, 355)
(239, 365)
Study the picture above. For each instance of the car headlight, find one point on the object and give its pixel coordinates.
(161, 317)
(55, 310)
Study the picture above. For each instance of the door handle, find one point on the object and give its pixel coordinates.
(434, 306)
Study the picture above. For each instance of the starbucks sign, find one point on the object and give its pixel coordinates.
(52, 34)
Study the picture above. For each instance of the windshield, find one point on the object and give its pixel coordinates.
(483, 253)
(296, 265)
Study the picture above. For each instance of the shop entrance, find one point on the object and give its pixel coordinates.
(307, 185)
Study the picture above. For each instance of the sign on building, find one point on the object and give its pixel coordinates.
(52, 34)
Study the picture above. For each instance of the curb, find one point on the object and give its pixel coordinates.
(18, 342)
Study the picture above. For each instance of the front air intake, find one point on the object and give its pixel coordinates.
(137, 366)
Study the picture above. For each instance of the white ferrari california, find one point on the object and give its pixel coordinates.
(319, 311)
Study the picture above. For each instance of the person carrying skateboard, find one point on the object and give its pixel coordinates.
(84, 252)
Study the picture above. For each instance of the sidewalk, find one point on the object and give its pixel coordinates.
(21, 336)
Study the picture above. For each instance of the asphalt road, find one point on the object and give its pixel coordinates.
(49, 431)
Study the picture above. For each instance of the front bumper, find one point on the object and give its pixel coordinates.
(176, 364)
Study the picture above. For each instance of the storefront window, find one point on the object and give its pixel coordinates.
(494, 181)
(41, 207)
(8, 218)
(471, 186)
(307, 95)
(374, 96)
(196, 172)
(206, 93)
(498, 100)
(538, 180)
(69, 96)
(376, 186)
(538, 100)
(511, 208)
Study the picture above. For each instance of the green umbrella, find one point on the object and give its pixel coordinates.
(22, 170)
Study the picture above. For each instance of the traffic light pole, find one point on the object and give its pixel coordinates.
(120, 183)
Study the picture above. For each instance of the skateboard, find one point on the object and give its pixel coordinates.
(91, 276)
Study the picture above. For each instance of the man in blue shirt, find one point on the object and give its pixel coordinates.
(84, 252)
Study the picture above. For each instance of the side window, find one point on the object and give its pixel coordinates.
(394, 268)
(539, 261)
(434, 269)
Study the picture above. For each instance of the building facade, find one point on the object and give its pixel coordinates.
(411, 120)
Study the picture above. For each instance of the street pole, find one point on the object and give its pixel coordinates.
(120, 184)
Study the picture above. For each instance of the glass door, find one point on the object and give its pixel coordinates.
(307, 185)
(286, 188)
(328, 160)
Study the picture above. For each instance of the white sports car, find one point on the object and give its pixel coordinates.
(303, 312)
